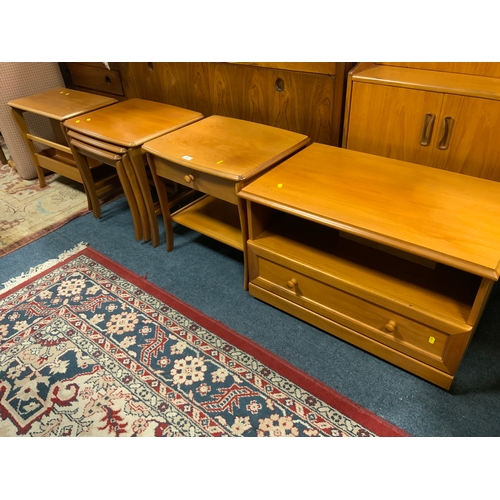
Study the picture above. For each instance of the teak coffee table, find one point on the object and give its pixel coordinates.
(114, 135)
(217, 156)
(57, 104)
(396, 258)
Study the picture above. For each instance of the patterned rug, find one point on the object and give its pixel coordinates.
(28, 212)
(88, 348)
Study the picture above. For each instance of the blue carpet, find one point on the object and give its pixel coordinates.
(209, 276)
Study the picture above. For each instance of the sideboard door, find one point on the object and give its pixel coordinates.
(473, 145)
(389, 121)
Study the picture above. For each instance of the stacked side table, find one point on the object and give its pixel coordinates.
(116, 134)
(57, 104)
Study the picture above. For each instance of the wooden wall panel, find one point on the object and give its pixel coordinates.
(307, 98)
(323, 68)
(181, 84)
(295, 101)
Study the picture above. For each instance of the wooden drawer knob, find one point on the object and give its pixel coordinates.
(390, 326)
(291, 283)
(189, 178)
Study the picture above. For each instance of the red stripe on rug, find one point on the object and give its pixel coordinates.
(341, 403)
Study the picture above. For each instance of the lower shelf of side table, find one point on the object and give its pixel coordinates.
(59, 162)
(62, 163)
(212, 217)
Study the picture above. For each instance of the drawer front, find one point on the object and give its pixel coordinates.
(394, 330)
(96, 78)
(223, 189)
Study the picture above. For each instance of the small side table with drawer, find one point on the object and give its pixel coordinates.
(217, 156)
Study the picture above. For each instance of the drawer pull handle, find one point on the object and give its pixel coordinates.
(291, 283)
(189, 178)
(427, 126)
(390, 326)
(447, 128)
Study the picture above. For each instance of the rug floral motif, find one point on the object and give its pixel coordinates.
(28, 212)
(89, 349)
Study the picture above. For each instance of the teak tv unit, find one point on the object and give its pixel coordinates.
(396, 258)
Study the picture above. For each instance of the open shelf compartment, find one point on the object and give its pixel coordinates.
(212, 217)
(437, 292)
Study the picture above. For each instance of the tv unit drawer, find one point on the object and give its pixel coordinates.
(404, 334)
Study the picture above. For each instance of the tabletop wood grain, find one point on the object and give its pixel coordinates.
(449, 217)
(61, 103)
(227, 147)
(132, 122)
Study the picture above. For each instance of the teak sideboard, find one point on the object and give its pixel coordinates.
(444, 115)
(396, 258)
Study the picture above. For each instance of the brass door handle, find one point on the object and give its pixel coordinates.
(427, 128)
(447, 129)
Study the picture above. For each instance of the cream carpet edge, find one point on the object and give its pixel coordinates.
(8, 285)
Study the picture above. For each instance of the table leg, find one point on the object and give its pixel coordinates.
(88, 182)
(18, 116)
(242, 211)
(138, 160)
(137, 218)
(3, 158)
(136, 194)
(164, 203)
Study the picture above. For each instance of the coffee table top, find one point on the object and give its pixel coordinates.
(227, 147)
(132, 122)
(61, 103)
(445, 216)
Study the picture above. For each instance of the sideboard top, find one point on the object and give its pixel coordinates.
(486, 87)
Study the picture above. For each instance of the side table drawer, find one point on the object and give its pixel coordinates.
(224, 189)
(434, 347)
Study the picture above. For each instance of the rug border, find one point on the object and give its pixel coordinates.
(26, 240)
(343, 404)
(41, 233)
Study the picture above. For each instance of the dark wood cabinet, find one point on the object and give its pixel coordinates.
(307, 98)
(186, 85)
(293, 100)
(93, 77)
